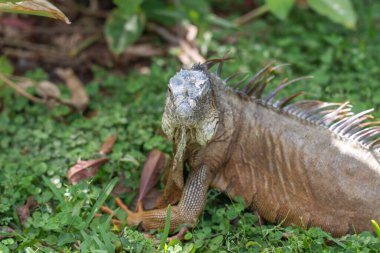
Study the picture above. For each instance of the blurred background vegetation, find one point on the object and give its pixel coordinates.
(64, 89)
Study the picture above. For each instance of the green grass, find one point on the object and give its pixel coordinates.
(38, 143)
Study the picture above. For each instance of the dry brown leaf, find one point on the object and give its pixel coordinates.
(84, 169)
(45, 89)
(153, 167)
(108, 144)
(79, 98)
(35, 7)
(23, 212)
(48, 89)
(150, 199)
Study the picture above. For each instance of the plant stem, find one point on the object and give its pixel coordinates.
(252, 14)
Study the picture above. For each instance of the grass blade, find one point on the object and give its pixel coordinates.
(55, 190)
(165, 234)
(102, 197)
(377, 228)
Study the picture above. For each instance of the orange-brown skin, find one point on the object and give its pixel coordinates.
(289, 171)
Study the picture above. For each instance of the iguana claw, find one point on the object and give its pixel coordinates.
(133, 218)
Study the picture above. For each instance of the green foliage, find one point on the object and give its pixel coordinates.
(280, 8)
(36, 145)
(125, 25)
(128, 20)
(339, 11)
(5, 66)
(133, 241)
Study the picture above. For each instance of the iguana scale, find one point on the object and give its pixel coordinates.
(308, 163)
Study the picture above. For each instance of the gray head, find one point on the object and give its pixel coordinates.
(189, 96)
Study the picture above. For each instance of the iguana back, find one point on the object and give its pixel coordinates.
(293, 171)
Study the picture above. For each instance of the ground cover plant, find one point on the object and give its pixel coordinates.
(39, 143)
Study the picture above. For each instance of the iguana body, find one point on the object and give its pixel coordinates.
(307, 163)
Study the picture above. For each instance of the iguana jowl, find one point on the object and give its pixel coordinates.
(308, 163)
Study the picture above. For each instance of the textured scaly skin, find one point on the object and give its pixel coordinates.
(286, 169)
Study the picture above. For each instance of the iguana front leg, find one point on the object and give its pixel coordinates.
(188, 209)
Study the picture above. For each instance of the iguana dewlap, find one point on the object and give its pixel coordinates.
(307, 163)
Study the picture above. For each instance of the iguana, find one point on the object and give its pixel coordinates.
(308, 163)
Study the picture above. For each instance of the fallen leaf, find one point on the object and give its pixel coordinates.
(150, 199)
(35, 7)
(153, 167)
(108, 144)
(48, 89)
(84, 169)
(45, 89)
(5, 232)
(91, 114)
(23, 212)
(79, 98)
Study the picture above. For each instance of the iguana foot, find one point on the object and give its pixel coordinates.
(133, 218)
(180, 235)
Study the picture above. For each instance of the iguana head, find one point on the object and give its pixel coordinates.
(190, 103)
(190, 113)
(188, 97)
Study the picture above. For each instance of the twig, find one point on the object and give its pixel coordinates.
(20, 90)
(163, 33)
(252, 14)
(32, 98)
(85, 44)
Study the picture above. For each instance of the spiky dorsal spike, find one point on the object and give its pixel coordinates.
(338, 126)
(251, 84)
(210, 63)
(272, 94)
(219, 70)
(359, 134)
(285, 101)
(321, 109)
(261, 88)
(353, 121)
(300, 105)
(363, 138)
(355, 126)
(373, 143)
(350, 121)
(230, 77)
(370, 123)
(237, 85)
(332, 116)
(316, 112)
